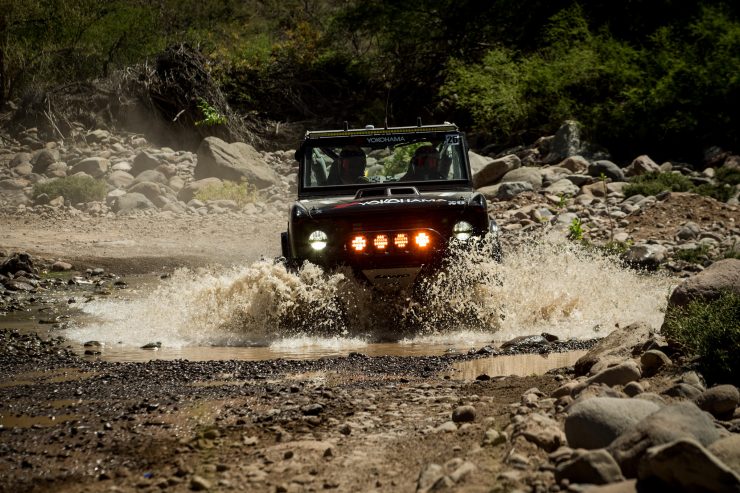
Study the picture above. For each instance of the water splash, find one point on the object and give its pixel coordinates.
(544, 285)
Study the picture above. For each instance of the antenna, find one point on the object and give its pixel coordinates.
(346, 125)
(418, 121)
(387, 99)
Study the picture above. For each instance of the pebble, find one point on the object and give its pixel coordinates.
(463, 414)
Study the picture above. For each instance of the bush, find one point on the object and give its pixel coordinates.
(654, 183)
(76, 189)
(241, 193)
(693, 255)
(711, 331)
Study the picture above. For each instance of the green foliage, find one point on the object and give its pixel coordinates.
(654, 183)
(711, 331)
(211, 116)
(242, 193)
(692, 255)
(400, 159)
(575, 230)
(76, 189)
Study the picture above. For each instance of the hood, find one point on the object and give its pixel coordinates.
(326, 207)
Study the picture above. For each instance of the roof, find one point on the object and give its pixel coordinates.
(370, 130)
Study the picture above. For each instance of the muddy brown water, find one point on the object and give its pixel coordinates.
(240, 312)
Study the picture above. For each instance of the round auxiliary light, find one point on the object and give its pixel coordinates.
(318, 240)
(463, 230)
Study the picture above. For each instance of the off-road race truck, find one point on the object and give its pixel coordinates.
(388, 202)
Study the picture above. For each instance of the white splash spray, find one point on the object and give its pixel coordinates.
(544, 286)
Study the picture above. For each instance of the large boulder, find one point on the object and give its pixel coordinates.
(685, 465)
(641, 165)
(505, 191)
(728, 451)
(563, 187)
(621, 343)
(566, 143)
(708, 284)
(493, 170)
(43, 158)
(591, 467)
(594, 423)
(477, 161)
(120, 179)
(576, 164)
(530, 175)
(673, 422)
(233, 162)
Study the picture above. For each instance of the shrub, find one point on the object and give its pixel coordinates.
(241, 193)
(709, 330)
(654, 183)
(692, 255)
(76, 189)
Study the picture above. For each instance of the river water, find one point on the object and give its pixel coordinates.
(261, 311)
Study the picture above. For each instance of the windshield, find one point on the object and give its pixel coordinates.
(374, 160)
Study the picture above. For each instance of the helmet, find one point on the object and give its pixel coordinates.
(351, 163)
(425, 160)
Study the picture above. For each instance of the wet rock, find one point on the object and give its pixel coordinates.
(721, 401)
(672, 422)
(152, 345)
(594, 423)
(646, 256)
(591, 467)
(463, 414)
(620, 343)
(685, 465)
(16, 263)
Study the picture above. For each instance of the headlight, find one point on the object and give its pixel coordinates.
(318, 240)
(463, 230)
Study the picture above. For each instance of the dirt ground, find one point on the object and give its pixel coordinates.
(338, 424)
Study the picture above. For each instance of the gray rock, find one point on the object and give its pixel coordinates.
(641, 165)
(685, 465)
(144, 161)
(122, 166)
(591, 467)
(628, 486)
(198, 483)
(633, 388)
(477, 161)
(96, 167)
(530, 175)
(672, 422)
(620, 374)
(721, 401)
(152, 176)
(43, 158)
(56, 170)
(563, 187)
(97, 136)
(233, 162)
(429, 477)
(594, 423)
(540, 430)
(683, 390)
(494, 170)
(576, 164)
(131, 202)
(647, 256)
(608, 168)
(20, 158)
(689, 231)
(566, 143)
(152, 191)
(60, 266)
(509, 190)
(463, 414)
(728, 451)
(14, 184)
(120, 179)
(708, 284)
(653, 360)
